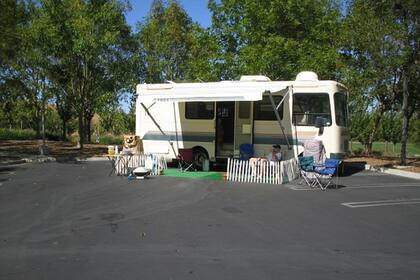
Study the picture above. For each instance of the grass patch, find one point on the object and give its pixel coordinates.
(17, 134)
(211, 175)
(381, 148)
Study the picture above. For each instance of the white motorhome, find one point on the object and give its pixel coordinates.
(215, 118)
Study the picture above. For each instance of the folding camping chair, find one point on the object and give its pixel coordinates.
(325, 174)
(246, 151)
(185, 159)
(307, 171)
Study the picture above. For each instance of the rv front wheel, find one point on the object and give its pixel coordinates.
(200, 155)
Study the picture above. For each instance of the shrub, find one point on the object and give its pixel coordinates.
(106, 139)
(17, 134)
(358, 152)
(52, 137)
(110, 140)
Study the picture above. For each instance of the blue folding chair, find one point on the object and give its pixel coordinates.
(326, 172)
(307, 171)
(246, 151)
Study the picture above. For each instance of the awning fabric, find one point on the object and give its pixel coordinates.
(215, 91)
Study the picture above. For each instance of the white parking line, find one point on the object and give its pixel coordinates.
(376, 203)
(300, 188)
(387, 185)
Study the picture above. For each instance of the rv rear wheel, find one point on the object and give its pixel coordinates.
(200, 155)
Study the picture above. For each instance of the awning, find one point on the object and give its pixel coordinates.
(214, 91)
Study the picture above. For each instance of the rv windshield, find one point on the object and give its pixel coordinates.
(307, 107)
(340, 103)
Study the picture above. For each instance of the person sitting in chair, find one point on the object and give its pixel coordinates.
(273, 156)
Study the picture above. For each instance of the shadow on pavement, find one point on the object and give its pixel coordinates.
(350, 168)
(68, 160)
(4, 169)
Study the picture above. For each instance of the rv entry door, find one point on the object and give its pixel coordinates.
(243, 124)
(225, 123)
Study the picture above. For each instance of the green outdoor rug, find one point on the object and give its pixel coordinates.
(211, 175)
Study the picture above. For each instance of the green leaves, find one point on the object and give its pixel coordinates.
(277, 38)
(172, 47)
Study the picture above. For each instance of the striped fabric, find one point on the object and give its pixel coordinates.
(314, 148)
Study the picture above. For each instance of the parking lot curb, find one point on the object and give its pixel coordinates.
(39, 159)
(33, 159)
(95, 159)
(12, 162)
(402, 173)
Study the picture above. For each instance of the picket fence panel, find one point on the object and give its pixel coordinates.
(261, 172)
(125, 163)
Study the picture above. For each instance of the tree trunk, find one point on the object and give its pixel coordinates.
(368, 149)
(43, 123)
(64, 130)
(88, 130)
(81, 130)
(9, 114)
(37, 123)
(88, 134)
(405, 122)
(377, 121)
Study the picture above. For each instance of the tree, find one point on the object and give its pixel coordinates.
(203, 62)
(13, 18)
(381, 50)
(276, 38)
(10, 90)
(90, 45)
(372, 58)
(361, 126)
(407, 19)
(391, 127)
(165, 41)
(415, 129)
(32, 66)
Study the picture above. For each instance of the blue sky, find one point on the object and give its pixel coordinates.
(197, 10)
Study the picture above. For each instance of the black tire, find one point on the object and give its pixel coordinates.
(200, 155)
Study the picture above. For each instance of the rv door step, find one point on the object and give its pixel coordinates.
(225, 153)
(219, 164)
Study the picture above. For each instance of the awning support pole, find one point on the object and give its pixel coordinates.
(158, 126)
(284, 97)
(273, 104)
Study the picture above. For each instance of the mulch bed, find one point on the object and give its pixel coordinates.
(390, 162)
(17, 148)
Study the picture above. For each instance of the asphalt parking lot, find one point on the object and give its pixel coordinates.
(73, 221)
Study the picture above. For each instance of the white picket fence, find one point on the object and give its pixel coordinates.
(266, 172)
(124, 164)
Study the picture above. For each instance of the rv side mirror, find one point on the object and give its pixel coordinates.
(320, 122)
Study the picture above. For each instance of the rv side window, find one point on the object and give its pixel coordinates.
(340, 103)
(264, 110)
(199, 110)
(309, 106)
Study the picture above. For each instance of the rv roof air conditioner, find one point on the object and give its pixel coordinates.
(307, 76)
(255, 78)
